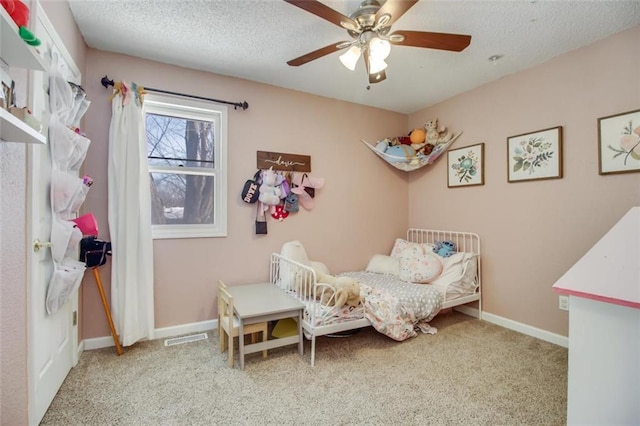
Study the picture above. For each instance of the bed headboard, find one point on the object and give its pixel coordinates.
(464, 241)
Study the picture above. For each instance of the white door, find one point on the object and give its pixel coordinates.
(53, 339)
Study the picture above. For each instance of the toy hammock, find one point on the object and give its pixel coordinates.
(409, 164)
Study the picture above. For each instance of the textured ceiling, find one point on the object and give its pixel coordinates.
(254, 39)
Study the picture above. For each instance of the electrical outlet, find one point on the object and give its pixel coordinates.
(563, 302)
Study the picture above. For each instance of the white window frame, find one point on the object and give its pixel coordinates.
(176, 106)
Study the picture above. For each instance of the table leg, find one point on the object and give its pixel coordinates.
(241, 343)
(300, 336)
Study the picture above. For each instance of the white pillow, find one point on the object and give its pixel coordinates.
(294, 250)
(470, 272)
(458, 266)
(383, 264)
(418, 266)
(319, 267)
(289, 273)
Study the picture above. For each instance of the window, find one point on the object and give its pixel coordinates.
(187, 155)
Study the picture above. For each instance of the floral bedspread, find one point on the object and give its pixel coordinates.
(397, 308)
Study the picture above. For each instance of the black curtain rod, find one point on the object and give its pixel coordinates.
(244, 105)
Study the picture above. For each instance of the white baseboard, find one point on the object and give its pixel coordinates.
(538, 333)
(472, 312)
(80, 348)
(159, 333)
(199, 327)
(98, 343)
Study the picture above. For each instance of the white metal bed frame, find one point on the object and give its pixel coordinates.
(300, 281)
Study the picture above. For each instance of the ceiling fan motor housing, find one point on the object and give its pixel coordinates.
(365, 17)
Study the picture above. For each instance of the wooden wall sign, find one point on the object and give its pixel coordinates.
(281, 161)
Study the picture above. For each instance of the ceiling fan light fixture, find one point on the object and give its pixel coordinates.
(379, 48)
(350, 58)
(376, 65)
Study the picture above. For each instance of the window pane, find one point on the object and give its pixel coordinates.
(181, 199)
(179, 142)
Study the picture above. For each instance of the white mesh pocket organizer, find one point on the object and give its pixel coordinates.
(79, 109)
(68, 148)
(68, 193)
(61, 98)
(66, 237)
(66, 279)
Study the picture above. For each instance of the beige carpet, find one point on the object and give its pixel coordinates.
(470, 373)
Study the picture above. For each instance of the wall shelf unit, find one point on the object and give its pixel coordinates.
(13, 50)
(17, 54)
(12, 129)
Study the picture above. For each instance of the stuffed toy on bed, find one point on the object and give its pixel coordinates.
(445, 248)
(344, 290)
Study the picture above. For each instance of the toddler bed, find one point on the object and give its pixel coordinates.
(400, 292)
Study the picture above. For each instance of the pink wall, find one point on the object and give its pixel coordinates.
(566, 91)
(359, 212)
(533, 232)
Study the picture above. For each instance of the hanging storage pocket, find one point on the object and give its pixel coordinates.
(68, 193)
(65, 280)
(61, 98)
(65, 237)
(69, 148)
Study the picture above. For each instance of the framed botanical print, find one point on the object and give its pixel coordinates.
(619, 143)
(535, 156)
(465, 166)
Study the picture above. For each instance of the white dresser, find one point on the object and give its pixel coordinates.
(604, 328)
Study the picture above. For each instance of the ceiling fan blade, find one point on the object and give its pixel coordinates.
(395, 8)
(442, 41)
(323, 11)
(301, 60)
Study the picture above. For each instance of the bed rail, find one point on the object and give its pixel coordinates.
(300, 281)
(465, 242)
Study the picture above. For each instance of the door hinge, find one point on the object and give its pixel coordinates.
(75, 317)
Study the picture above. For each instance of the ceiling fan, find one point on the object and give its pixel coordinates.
(370, 30)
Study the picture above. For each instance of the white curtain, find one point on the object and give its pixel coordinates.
(130, 219)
